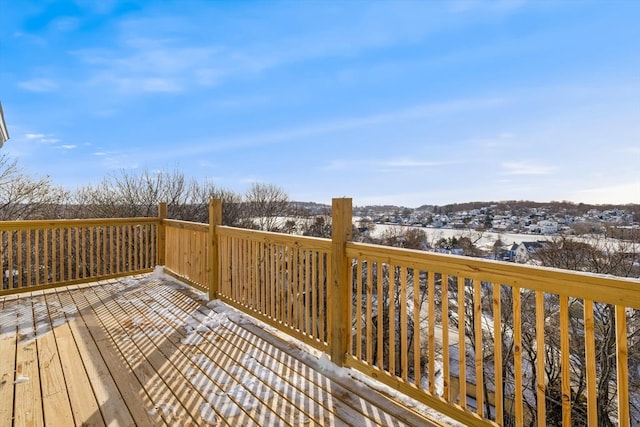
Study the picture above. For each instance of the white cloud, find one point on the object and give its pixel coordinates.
(39, 85)
(526, 168)
(68, 146)
(407, 163)
(143, 65)
(336, 165)
(41, 138)
(34, 135)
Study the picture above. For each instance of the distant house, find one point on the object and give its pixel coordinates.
(525, 250)
(548, 227)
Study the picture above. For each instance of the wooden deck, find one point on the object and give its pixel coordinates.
(146, 351)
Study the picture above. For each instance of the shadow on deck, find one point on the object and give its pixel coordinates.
(147, 350)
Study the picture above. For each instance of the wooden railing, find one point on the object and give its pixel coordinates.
(283, 280)
(489, 342)
(187, 252)
(43, 254)
(484, 342)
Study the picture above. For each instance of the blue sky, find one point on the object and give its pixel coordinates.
(403, 102)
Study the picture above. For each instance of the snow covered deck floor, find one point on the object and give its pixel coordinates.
(145, 350)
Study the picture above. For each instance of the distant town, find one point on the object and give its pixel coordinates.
(514, 217)
(513, 231)
(522, 217)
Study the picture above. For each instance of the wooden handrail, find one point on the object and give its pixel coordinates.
(597, 287)
(61, 223)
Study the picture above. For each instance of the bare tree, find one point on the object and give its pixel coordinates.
(604, 256)
(128, 194)
(404, 237)
(25, 197)
(266, 204)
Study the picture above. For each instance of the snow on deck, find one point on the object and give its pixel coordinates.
(150, 350)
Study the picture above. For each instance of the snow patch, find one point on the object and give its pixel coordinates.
(207, 414)
(69, 309)
(168, 411)
(199, 322)
(58, 321)
(301, 418)
(228, 408)
(203, 384)
(192, 339)
(21, 379)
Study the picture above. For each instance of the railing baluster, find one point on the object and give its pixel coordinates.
(622, 372)
(19, 263)
(357, 308)
(392, 319)
(92, 252)
(2, 275)
(55, 255)
(315, 290)
(565, 360)
(295, 289)
(256, 276)
(380, 316)
(325, 297)
(29, 256)
(540, 360)
(70, 256)
(417, 351)
(404, 325)
(278, 282)
(289, 286)
(431, 283)
(308, 291)
(76, 256)
(517, 355)
(590, 356)
(462, 356)
(497, 352)
(36, 253)
(11, 259)
(369, 303)
(45, 244)
(479, 350)
(273, 280)
(263, 276)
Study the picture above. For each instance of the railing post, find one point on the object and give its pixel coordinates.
(341, 233)
(162, 234)
(215, 219)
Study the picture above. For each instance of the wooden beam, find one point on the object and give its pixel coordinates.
(215, 219)
(162, 234)
(341, 233)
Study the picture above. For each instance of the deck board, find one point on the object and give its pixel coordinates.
(28, 396)
(55, 400)
(148, 351)
(104, 387)
(8, 339)
(129, 388)
(84, 406)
